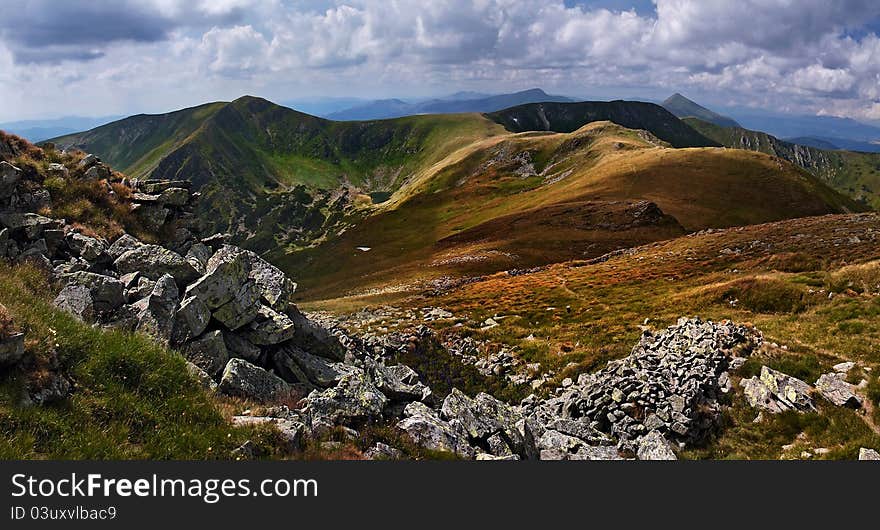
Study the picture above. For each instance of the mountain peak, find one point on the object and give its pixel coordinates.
(683, 107)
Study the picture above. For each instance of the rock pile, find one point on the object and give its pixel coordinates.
(670, 385)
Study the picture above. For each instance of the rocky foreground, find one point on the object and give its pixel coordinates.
(230, 314)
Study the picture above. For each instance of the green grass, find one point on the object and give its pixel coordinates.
(133, 399)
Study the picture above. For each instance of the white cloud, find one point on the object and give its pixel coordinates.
(807, 56)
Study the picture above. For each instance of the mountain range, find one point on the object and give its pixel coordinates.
(456, 103)
(39, 130)
(311, 191)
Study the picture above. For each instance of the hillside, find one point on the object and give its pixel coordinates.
(530, 199)
(685, 108)
(249, 155)
(568, 117)
(852, 173)
(264, 169)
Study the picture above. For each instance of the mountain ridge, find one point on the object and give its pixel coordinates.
(455, 103)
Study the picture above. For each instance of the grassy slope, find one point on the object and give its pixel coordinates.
(852, 173)
(132, 399)
(779, 274)
(480, 203)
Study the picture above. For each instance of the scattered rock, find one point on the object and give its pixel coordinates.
(835, 389)
(777, 392)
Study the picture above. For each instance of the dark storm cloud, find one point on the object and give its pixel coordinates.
(53, 31)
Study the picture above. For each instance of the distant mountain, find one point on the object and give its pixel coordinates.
(39, 130)
(323, 106)
(810, 141)
(376, 110)
(568, 117)
(456, 103)
(685, 108)
(853, 173)
(788, 126)
(824, 142)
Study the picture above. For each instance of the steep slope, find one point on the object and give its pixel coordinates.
(568, 117)
(852, 173)
(685, 108)
(529, 199)
(456, 103)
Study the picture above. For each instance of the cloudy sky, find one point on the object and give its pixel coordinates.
(102, 57)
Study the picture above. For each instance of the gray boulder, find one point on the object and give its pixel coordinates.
(154, 261)
(239, 347)
(242, 309)
(293, 432)
(122, 245)
(90, 296)
(208, 352)
(157, 186)
(458, 406)
(653, 446)
(554, 445)
(88, 161)
(174, 197)
(274, 286)
(835, 389)
(29, 225)
(97, 172)
(201, 376)
(243, 379)
(269, 328)
(11, 349)
(9, 178)
(58, 171)
(354, 398)
(777, 392)
(190, 320)
(225, 273)
(399, 382)
(88, 248)
(77, 300)
(198, 256)
(426, 429)
(155, 312)
(316, 369)
(313, 337)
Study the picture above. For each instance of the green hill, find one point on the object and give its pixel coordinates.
(852, 173)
